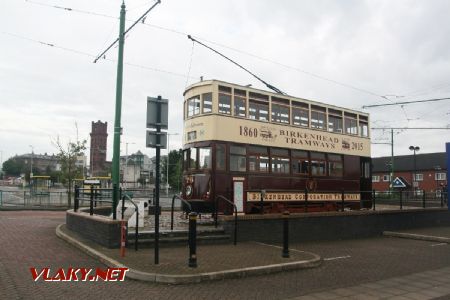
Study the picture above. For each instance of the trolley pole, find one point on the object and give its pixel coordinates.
(118, 112)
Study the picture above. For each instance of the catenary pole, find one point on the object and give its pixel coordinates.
(118, 112)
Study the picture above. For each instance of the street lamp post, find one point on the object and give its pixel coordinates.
(167, 164)
(414, 148)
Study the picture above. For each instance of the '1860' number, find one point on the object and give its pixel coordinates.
(248, 131)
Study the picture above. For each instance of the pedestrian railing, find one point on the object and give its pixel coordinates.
(172, 208)
(216, 212)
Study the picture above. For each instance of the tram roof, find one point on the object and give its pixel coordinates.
(212, 81)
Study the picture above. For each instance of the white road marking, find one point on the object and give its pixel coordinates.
(337, 257)
(279, 247)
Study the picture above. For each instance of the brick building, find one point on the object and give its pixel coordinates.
(431, 169)
(99, 136)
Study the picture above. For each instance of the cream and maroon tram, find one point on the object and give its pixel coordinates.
(250, 145)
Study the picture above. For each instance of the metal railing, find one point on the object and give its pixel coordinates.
(216, 212)
(173, 207)
(136, 230)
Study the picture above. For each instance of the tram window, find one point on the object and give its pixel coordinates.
(351, 126)
(207, 102)
(280, 113)
(300, 162)
(280, 160)
(193, 158)
(335, 165)
(317, 117)
(204, 155)
(238, 159)
(363, 128)
(318, 164)
(220, 157)
(335, 120)
(193, 106)
(258, 110)
(258, 159)
(240, 103)
(224, 100)
(300, 116)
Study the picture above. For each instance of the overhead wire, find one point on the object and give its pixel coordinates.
(92, 56)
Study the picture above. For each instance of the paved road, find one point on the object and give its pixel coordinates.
(27, 239)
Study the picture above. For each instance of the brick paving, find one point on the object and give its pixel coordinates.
(27, 238)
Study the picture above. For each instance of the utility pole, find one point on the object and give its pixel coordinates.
(117, 128)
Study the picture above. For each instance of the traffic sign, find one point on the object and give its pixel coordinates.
(152, 141)
(398, 183)
(152, 112)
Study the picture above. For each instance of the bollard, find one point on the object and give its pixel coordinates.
(76, 203)
(192, 240)
(342, 200)
(401, 200)
(123, 237)
(373, 199)
(285, 253)
(91, 204)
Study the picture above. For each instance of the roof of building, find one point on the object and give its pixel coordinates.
(425, 161)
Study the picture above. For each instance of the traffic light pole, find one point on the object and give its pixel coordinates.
(118, 112)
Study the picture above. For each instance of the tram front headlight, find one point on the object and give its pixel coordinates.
(188, 190)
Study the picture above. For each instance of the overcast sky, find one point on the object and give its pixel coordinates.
(346, 53)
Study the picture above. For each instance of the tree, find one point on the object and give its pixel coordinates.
(175, 168)
(13, 167)
(67, 156)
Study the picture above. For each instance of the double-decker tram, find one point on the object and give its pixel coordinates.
(271, 152)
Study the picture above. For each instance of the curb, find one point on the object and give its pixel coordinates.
(194, 278)
(414, 236)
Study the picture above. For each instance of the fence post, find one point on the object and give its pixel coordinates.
(91, 204)
(123, 235)
(306, 200)
(374, 199)
(423, 198)
(1, 198)
(261, 203)
(76, 200)
(192, 240)
(285, 253)
(442, 198)
(342, 200)
(401, 199)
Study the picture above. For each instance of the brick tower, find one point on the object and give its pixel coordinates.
(99, 135)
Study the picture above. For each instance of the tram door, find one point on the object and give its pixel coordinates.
(238, 194)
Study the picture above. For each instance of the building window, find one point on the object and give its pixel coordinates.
(334, 120)
(351, 125)
(318, 117)
(335, 165)
(193, 106)
(207, 103)
(238, 159)
(386, 178)
(440, 176)
(300, 162)
(375, 178)
(258, 159)
(318, 164)
(240, 103)
(224, 100)
(220, 157)
(204, 158)
(418, 177)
